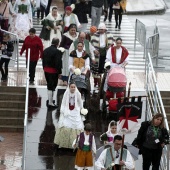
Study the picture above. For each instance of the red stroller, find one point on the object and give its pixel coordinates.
(114, 82)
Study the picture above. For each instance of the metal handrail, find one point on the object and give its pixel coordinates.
(140, 35)
(155, 104)
(17, 45)
(26, 113)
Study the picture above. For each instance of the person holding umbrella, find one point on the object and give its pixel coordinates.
(111, 157)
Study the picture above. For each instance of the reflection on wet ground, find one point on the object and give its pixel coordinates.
(41, 152)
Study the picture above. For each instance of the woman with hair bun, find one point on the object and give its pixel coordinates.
(70, 122)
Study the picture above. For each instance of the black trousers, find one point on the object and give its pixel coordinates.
(4, 71)
(118, 16)
(52, 80)
(42, 11)
(47, 10)
(110, 12)
(32, 69)
(151, 156)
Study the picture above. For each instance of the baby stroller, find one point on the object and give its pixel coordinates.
(113, 87)
(83, 84)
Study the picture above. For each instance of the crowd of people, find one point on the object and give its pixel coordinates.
(67, 48)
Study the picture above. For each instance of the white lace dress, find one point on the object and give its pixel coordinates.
(70, 123)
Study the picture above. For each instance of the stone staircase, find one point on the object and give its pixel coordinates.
(166, 101)
(12, 108)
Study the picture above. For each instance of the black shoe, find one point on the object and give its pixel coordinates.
(105, 19)
(119, 27)
(21, 41)
(116, 26)
(48, 102)
(110, 20)
(32, 83)
(52, 106)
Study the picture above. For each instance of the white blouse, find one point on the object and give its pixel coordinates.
(79, 55)
(100, 163)
(102, 40)
(67, 20)
(86, 142)
(118, 57)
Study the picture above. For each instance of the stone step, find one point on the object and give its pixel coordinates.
(167, 108)
(12, 96)
(165, 94)
(11, 121)
(12, 112)
(12, 89)
(166, 100)
(12, 104)
(11, 128)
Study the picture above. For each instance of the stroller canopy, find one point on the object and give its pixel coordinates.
(117, 77)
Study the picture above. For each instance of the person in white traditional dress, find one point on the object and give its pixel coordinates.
(111, 157)
(67, 39)
(110, 134)
(117, 55)
(70, 122)
(52, 27)
(70, 18)
(22, 19)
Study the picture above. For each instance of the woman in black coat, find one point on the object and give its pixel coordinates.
(151, 138)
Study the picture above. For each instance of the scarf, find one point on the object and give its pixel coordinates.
(123, 56)
(64, 110)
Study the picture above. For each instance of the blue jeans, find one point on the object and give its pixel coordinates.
(95, 16)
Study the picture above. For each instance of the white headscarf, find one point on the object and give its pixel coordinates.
(65, 110)
(109, 133)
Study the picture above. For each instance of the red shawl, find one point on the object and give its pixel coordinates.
(123, 57)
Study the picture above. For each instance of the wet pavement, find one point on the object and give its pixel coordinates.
(41, 153)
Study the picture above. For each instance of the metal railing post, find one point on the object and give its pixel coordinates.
(151, 83)
(26, 113)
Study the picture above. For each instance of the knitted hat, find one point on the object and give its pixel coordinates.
(93, 29)
(102, 26)
(68, 8)
(72, 6)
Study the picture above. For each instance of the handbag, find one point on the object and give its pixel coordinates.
(116, 6)
(2, 15)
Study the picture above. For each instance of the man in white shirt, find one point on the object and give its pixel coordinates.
(111, 157)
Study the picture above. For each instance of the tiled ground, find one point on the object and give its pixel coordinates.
(11, 151)
(136, 78)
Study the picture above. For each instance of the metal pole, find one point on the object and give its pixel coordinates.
(17, 54)
(26, 113)
(157, 49)
(168, 157)
(135, 34)
(147, 89)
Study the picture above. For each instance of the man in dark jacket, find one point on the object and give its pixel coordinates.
(81, 10)
(52, 64)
